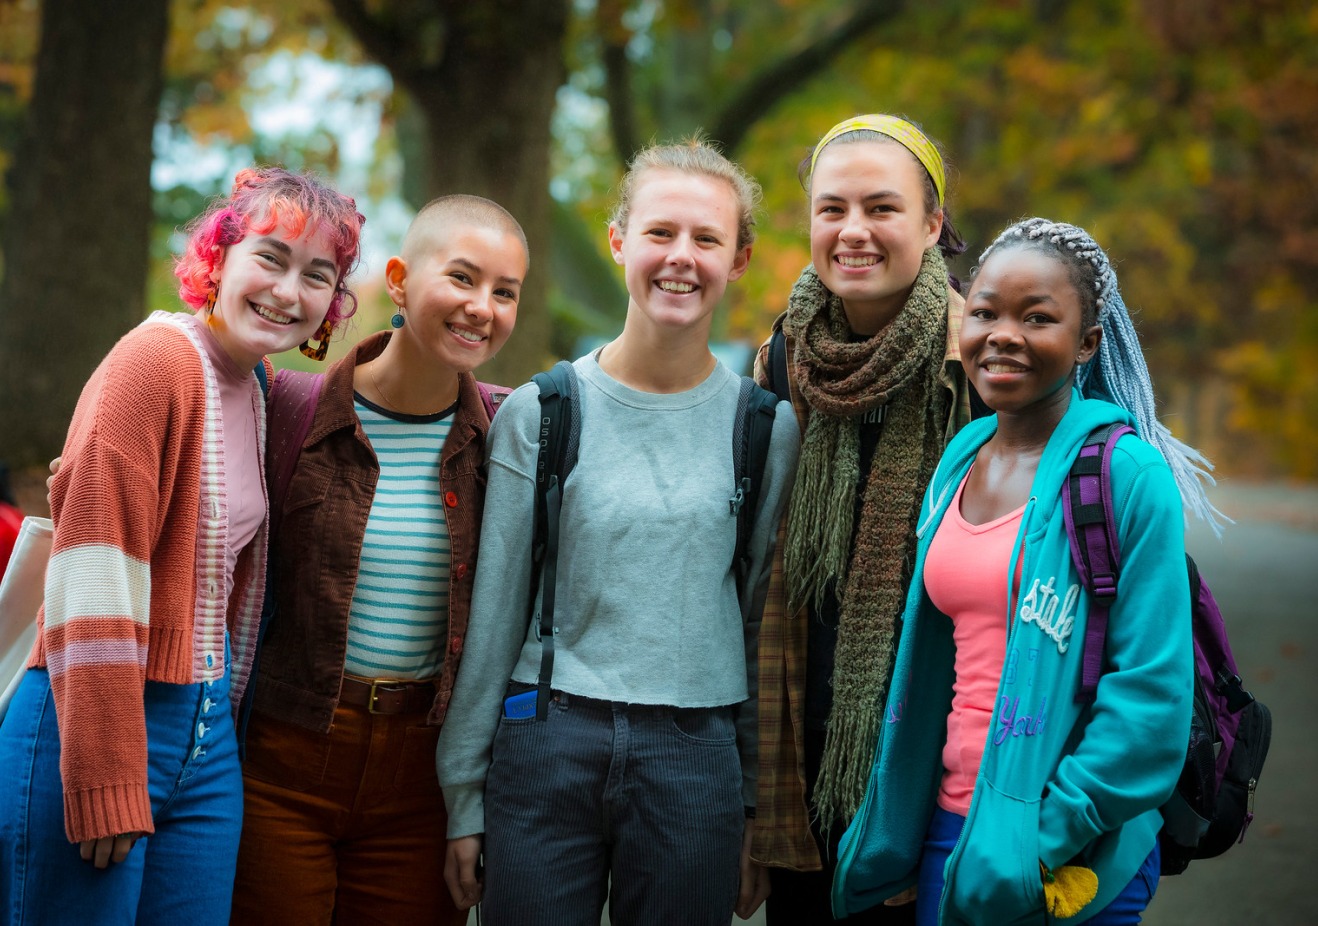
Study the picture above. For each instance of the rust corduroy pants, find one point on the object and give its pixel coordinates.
(343, 827)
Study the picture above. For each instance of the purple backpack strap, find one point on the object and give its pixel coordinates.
(1091, 529)
(492, 397)
(289, 410)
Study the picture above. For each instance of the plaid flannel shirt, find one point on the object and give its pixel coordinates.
(782, 836)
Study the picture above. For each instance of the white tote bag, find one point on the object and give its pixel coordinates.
(21, 593)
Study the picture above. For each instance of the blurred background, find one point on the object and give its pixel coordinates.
(1182, 133)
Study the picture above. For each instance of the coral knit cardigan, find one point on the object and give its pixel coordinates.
(135, 585)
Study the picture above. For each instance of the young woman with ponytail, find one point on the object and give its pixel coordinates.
(872, 368)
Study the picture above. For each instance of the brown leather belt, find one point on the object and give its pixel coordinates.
(384, 696)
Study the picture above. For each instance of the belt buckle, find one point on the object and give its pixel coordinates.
(370, 703)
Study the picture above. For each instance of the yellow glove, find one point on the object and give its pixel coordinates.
(1067, 890)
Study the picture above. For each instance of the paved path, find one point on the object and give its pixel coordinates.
(1264, 574)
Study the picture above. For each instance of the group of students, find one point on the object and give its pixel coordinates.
(712, 730)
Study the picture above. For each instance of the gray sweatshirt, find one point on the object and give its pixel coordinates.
(647, 609)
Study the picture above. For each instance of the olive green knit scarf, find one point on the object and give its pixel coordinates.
(841, 379)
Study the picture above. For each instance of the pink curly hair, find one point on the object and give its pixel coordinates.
(264, 199)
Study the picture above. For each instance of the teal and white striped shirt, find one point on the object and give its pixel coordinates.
(398, 620)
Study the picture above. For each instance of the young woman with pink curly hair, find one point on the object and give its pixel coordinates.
(122, 796)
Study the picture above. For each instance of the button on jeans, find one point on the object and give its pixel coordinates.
(181, 874)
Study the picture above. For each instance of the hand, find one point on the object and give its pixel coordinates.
(54, 468)
(461, 864)
(754, 887)
(101, 852)
(905, 897)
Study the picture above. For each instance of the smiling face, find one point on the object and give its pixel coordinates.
(679, 248)
(1022, 333)
(869, 228)
(274, 291)
(459, 292)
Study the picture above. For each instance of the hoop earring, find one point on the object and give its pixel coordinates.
(398, 320)
(322, 335)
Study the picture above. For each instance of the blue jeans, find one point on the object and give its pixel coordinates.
(639, 804)
(181, 874)
(945, 830)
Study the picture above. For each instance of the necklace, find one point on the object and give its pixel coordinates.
(395, 406)
(389, 403)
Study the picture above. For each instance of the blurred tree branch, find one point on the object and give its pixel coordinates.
(755, 96)
(780, 78)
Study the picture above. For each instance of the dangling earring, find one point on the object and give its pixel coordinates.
(210, 300)
(397, 320)
(322, 335)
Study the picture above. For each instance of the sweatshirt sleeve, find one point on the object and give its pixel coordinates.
(106, 503)
(779, 473)
(500, 609)
(1130, 754)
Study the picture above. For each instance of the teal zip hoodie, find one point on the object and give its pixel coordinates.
(1060, 782)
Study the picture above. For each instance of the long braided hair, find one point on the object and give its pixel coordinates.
(1117, 373)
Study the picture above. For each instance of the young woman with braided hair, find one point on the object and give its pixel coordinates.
(996, 790)
(877, 386)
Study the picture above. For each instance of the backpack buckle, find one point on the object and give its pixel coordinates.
(1233, 688)
(1105, 588)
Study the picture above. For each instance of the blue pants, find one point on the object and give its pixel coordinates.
(639, 804)
(181, 874)
(945, 830)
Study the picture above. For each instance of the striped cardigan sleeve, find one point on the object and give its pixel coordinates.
(123, 490)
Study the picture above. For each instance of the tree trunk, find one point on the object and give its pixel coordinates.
(77, 235)
(488, 116)
(484, 77)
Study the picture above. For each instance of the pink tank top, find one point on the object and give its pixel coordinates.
(965, 574)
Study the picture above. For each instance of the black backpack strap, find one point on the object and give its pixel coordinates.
(751, 433)
(779, 376)
(558, 433)
(1091, 528)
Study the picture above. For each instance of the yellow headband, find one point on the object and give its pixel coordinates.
(900, 131)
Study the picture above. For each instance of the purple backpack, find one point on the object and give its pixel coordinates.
(1230, 730)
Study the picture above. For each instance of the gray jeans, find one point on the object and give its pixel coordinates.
(647, 799)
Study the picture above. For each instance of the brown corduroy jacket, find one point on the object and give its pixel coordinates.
(321, 529)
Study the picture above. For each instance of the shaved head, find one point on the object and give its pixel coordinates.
(445, 212)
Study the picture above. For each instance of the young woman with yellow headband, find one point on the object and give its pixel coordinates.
(878, 388)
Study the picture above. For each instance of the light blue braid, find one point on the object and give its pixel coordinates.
(1117, 373)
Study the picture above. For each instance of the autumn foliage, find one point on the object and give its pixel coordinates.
(1182, 133)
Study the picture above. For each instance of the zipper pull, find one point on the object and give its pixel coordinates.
(1249, 808)
(739, 497)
